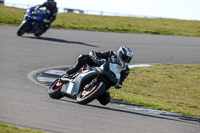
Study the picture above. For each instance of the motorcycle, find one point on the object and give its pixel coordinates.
(33, 22)
(87, 85)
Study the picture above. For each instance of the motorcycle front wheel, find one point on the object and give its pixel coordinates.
(21, 29)
(87, 96)
(54, 90)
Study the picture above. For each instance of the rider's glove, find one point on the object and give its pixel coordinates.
(118, 86)
(111, 53)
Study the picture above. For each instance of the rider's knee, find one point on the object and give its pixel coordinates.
(104, 99)
(83, 58)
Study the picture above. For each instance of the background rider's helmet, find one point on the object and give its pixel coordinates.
(125, 54)
(50, 3)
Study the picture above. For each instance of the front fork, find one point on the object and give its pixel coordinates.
(89, 86)
(94, 82)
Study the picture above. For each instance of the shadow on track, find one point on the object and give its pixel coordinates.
(131, 112)
(60, 40)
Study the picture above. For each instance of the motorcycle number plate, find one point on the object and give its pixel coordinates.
(69, 89)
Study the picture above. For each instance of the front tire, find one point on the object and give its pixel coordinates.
(55, 89)
(85, 96)
(21, 29)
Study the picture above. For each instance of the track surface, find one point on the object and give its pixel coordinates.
(27, 104)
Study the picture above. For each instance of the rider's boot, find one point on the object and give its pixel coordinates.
(64, 78)
(75, 69)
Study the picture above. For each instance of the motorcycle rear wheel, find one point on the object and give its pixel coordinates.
(85, 96)
(38, 34)
(54, 90)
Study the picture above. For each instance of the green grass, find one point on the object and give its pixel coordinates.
(11, 16)
(14, 16)
(173, 88)
(5, 128)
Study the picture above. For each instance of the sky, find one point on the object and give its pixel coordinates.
(174, 9)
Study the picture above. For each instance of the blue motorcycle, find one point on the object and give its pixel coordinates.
(33, 22)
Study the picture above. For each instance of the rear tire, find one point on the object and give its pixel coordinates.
(55, 89)
(38, 34)
(21, 29)
(85, 97)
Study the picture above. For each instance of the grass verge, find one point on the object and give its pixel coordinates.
(173, 88)
(14, 16)
(5, 128)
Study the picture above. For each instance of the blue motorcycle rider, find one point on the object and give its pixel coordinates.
(51, 11)
(125, 55)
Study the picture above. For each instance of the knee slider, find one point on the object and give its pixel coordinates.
(81, 57)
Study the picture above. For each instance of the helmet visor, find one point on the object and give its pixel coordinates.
(126, 58)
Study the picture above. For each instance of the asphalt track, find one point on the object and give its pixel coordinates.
(26, 104)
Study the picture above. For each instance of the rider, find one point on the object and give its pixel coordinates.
(125, 55)
(51, 10)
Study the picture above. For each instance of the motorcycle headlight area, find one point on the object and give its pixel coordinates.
(34, 12)
(33, 17)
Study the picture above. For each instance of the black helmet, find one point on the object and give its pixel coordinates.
(50, 3)
(125, 54)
